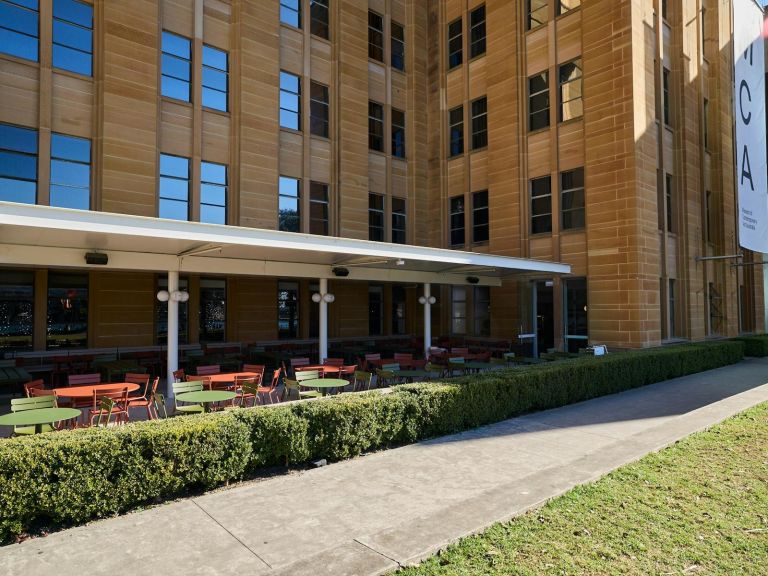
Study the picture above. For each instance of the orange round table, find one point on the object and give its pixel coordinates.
(227, 377)
(325, 369)
(87, 391)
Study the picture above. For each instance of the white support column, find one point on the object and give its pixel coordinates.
(323, 317)
(173, 334)
(427, 319)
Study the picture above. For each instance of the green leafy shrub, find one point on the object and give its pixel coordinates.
(755, 346)
(71, 477)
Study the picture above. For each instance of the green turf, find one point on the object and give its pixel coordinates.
(698, 507)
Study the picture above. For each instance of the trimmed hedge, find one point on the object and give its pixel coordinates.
(755, 346)
(74, 476)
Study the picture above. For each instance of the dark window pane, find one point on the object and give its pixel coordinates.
(454, 44)
(288, 309)
(67, 322)
(16, 310)
(479, 123)
(318, 10)
(375, 36)
(213, 310)
(398, 46)
(477, 32)
(18, 164)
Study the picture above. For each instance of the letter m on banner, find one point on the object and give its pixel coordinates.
(749, 115)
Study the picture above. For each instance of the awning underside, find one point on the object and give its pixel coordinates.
(57, 237)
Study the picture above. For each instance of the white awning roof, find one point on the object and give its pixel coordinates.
(57, 237)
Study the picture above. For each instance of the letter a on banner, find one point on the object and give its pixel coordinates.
(749, 101)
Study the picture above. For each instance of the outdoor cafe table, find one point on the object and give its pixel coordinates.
(38, 417)
(228, 377)
(324, 368)
(206, 397)
(413, 374)
(380, 362)
(87, 391)
(323, 384)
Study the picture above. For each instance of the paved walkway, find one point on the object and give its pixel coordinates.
(369, 515)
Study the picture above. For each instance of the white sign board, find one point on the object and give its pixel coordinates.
(749, 101)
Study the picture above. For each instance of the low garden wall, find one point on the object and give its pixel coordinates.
(74, 476)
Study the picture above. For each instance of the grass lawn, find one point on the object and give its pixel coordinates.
(698, 507)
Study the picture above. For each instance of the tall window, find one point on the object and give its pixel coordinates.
(73, 36)
(708, 213)
(18, 164)
(576, 325)
(482, 297)
(213, 309)
(213, 193)
(671, 311)
(375, 310)
(541, 205)
(458, 310)
(479, 123)
(564, 6)
(375, 126)
(665, 79)
(176, 66)
(664, 9)
(67, 324)
(19, 28)
(375, 36)
(287, 309)
(70, 172)
(376, 217)
(398, 133)
(398, 220)
(318, 14)
(215, 78)
(161, 313)
(174, 187)
(318, 109)
(456, 131)
(398, 309)
(538, 101)
(397, 44)
(670, 199)
(572, 198)
(571, 105)
(537, 13)
(318, 208)
(289, 216)
(477, 31)
(456, 209)
(455, 52)
(16, 310)
(715, 310)
(480, 219)
(290, 12)
(290, 101)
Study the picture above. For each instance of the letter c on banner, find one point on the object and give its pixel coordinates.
(746, 119)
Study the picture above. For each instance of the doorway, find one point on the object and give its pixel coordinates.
(545, 316)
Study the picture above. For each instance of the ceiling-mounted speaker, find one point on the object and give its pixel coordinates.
(340, 271)
(96, 258)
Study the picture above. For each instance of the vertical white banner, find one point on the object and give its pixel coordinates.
(749, 102)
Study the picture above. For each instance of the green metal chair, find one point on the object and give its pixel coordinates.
(180, 388)
(362, 380)
(293, 389)
(104, 413)
(385, 376)
(456, 365)
(34, 403)
(159, 401)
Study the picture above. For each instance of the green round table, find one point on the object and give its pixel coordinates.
(37, 417)
(411, 374)
(206, 397)
(323, 384)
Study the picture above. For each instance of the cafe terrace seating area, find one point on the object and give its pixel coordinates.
(52, 392)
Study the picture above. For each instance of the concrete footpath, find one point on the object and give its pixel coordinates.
(372, 514)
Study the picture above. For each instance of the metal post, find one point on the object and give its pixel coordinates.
(323, 317)
(173, 332)
(427, 320)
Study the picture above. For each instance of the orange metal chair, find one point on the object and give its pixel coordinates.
(272, 388)
(208, 370)
(34, 385)
(179, 376)
(146, 400)
(118, 408)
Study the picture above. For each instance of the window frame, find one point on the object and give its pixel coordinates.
(479, 26)
(224, 186)
(210, 286)
(533, 96)
(376, 213)
(479, 123)
(564, 84)
(289, 93)
(16, 149)
(478, 209)
(167, 74)
(455, 32)
(666, 95)
(375, 36)
(317, 105)
(565, 10)
(459, 302)
(169, 176)
(399, 148)
(317, 24)
(282, 220)
(14, 32)
(481, 319)
(530, 11)
(399, 219)
(669, 199)
(543, 216)
(288, 6)
(572, 192)
(456, 221)
(60, 44)
(397, 46)
(62, 159)
(375, 126)
(215, 69)
(293, 307)
(456, 132)
(324, 203)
